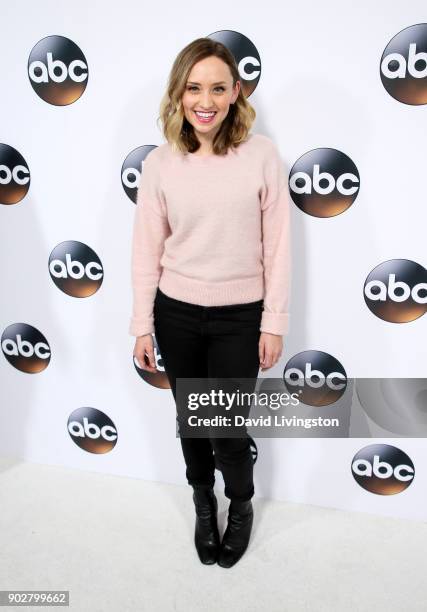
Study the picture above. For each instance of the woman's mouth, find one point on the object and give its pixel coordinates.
(205, 117)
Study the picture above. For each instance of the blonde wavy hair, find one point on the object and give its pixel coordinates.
(175, 127)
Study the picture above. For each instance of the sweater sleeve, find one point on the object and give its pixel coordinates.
(276, 246)
(150, 229)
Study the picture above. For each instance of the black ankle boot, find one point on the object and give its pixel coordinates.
(206, 534)
(236, 536)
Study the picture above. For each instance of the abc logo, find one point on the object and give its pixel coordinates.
(75, 269)
(403, 66)
(317, 377)
(92, 430)
(57, 70)
(397, 405)
(25, 348)
(157, 379)
(396, 290)
(246, 55)
(132, 168)
(14, 175)
(382, 469)
(324, 182)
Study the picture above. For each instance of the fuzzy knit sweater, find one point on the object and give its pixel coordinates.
(212, 230)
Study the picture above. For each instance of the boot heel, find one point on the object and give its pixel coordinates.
(206, 534)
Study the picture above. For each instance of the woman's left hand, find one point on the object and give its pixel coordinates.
(270, 350)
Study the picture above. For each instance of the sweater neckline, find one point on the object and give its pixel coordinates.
(203, 158)
(193, 157)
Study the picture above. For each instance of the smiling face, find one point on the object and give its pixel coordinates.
(209, 89)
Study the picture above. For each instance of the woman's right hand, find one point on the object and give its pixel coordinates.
(144, 348)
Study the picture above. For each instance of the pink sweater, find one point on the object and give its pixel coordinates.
(212, 231)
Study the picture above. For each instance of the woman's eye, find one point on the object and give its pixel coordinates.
(192, 87)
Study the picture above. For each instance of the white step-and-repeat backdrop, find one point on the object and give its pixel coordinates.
(342, 90)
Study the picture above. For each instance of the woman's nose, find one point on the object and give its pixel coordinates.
(205, 101)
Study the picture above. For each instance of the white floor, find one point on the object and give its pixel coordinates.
(122, 544)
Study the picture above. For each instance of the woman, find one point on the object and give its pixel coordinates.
(210, 267)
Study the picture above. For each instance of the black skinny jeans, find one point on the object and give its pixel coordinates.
(211, 341)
